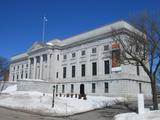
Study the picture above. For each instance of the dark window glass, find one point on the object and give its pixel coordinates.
(38, 59)
(83, 52)
(140, 88)
(64, 72)
(106, 47)
(106, 87)
(83, 70)
(93, 87)
(72, 88)
(73, 71)
(57, 75)
(17, 76)
(94, 50)
(63, 88)
(45, 57)
(13, 77)
(73, 55)
(64, 57)
(56, 88)
(94, 68)
(106, 67)
(58, 57)
(26, 75)
(32, 60)
(138, 72)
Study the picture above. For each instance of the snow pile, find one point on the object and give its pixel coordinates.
(42, 103)
(10, 89)
(150, 115)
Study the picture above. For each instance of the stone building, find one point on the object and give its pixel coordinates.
(88, 63)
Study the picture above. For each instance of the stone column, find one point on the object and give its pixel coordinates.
(19, 72)
(29, 67)
(24, 71)
(34, 69)
(41, 66)
(48, 67)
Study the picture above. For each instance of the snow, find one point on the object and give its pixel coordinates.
(10, 89)
(42, 103)
(148, 115)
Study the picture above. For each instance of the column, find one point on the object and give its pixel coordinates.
(29, 67)
(19, 72)
(34, 68)
(48, 67)
(24, 71)
(41, 66)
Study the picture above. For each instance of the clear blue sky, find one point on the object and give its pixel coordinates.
(21, 20)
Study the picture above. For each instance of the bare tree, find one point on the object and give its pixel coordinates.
(141, 46)
(4, 68)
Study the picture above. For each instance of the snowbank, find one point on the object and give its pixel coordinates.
(150, 115)
(10, 89)
(42, 103)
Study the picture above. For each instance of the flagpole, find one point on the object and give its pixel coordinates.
(44, 26)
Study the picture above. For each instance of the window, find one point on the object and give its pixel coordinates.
(17, 76)
(22, 66)
(26, 75)
(13, 78)
(106, 67)
(13, 68)
(73, 55)
(64, 57)
(56, 88)
(106, 87)
(26, 65)
(83, 70)
(32, 60)
(83, 52)
(44, 57)
(138, 72)
(93, 87)
(140, 88)
(72, 88)
(94, 68)
(22, 75)
(58, 57)
(38, 59)
(63, 88)
(64, 72)
(106, 47)
(18, 67)
(94, 50)
(73, 71)
(57, 75)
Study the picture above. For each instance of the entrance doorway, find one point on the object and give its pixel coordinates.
(82, 89)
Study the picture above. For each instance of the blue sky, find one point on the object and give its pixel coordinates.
(21, 20)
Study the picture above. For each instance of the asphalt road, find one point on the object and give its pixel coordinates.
(101, 114)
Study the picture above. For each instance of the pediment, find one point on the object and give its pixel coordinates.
(36, 46)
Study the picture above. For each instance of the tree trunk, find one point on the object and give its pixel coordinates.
(154, 94)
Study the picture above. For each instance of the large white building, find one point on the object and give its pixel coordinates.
(87, 63)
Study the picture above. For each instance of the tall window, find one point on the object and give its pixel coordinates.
(138, 72)
(73, 55)
(58, 57)
(140, 87)
(38, 59)
(64, 57)
(83, 52)
(26, 75)
(63, 88)
(94, 68)
(45, 57)
(83, 71)
(57, 75)
(73, 71)
(72, 88)
(94, 50)
(32, 60)
(13, 77)
(106, 67)
(106, 87)
(64, 72)
(56, 88)
(93, 87)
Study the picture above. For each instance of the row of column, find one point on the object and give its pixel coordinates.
(41, 67)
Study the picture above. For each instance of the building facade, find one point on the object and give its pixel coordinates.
(88, 63)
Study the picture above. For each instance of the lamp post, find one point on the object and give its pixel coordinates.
(53, 96)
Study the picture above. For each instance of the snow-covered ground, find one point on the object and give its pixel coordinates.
(150, 115)
(42, 103)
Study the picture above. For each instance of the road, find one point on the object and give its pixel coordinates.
(101, 114)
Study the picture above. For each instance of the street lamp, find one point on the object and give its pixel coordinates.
(53, 96)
